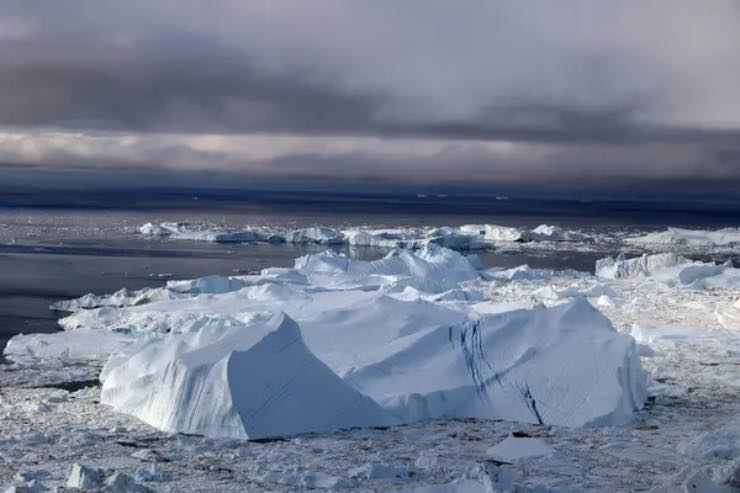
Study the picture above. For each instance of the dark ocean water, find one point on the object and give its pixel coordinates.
(66, 246)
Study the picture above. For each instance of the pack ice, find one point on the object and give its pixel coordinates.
(336, 342)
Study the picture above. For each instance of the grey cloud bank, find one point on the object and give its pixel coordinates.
(420, 92)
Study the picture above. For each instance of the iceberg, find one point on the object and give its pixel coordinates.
(151, 229)
(347, 342)
(492, 232)
(727, 237)
(454, 239)
(217, 234)
(432, 269)
(383, 238)
(82, 345)
(413, 360)
(326, 236)
(249, 381)
(546, 232)
(668, 268)
(532, 365)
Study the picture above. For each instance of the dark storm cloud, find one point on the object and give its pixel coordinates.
(592, 90)
(512, 70)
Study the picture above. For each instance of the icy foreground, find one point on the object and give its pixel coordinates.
(405, 338)
(684, 440)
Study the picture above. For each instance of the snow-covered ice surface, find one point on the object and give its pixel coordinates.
(686, 334)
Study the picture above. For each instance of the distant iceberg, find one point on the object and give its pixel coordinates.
(665, 267)
(727, 237)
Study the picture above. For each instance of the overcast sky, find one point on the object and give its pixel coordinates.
(577, 93)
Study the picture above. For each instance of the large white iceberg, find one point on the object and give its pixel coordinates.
(415, 360)
(250, 381)
(408, 337)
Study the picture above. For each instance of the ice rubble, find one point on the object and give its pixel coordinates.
(399, 339)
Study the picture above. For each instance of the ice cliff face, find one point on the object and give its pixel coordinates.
(250, 380)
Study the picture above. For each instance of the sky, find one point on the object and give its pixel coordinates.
(582, 94)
